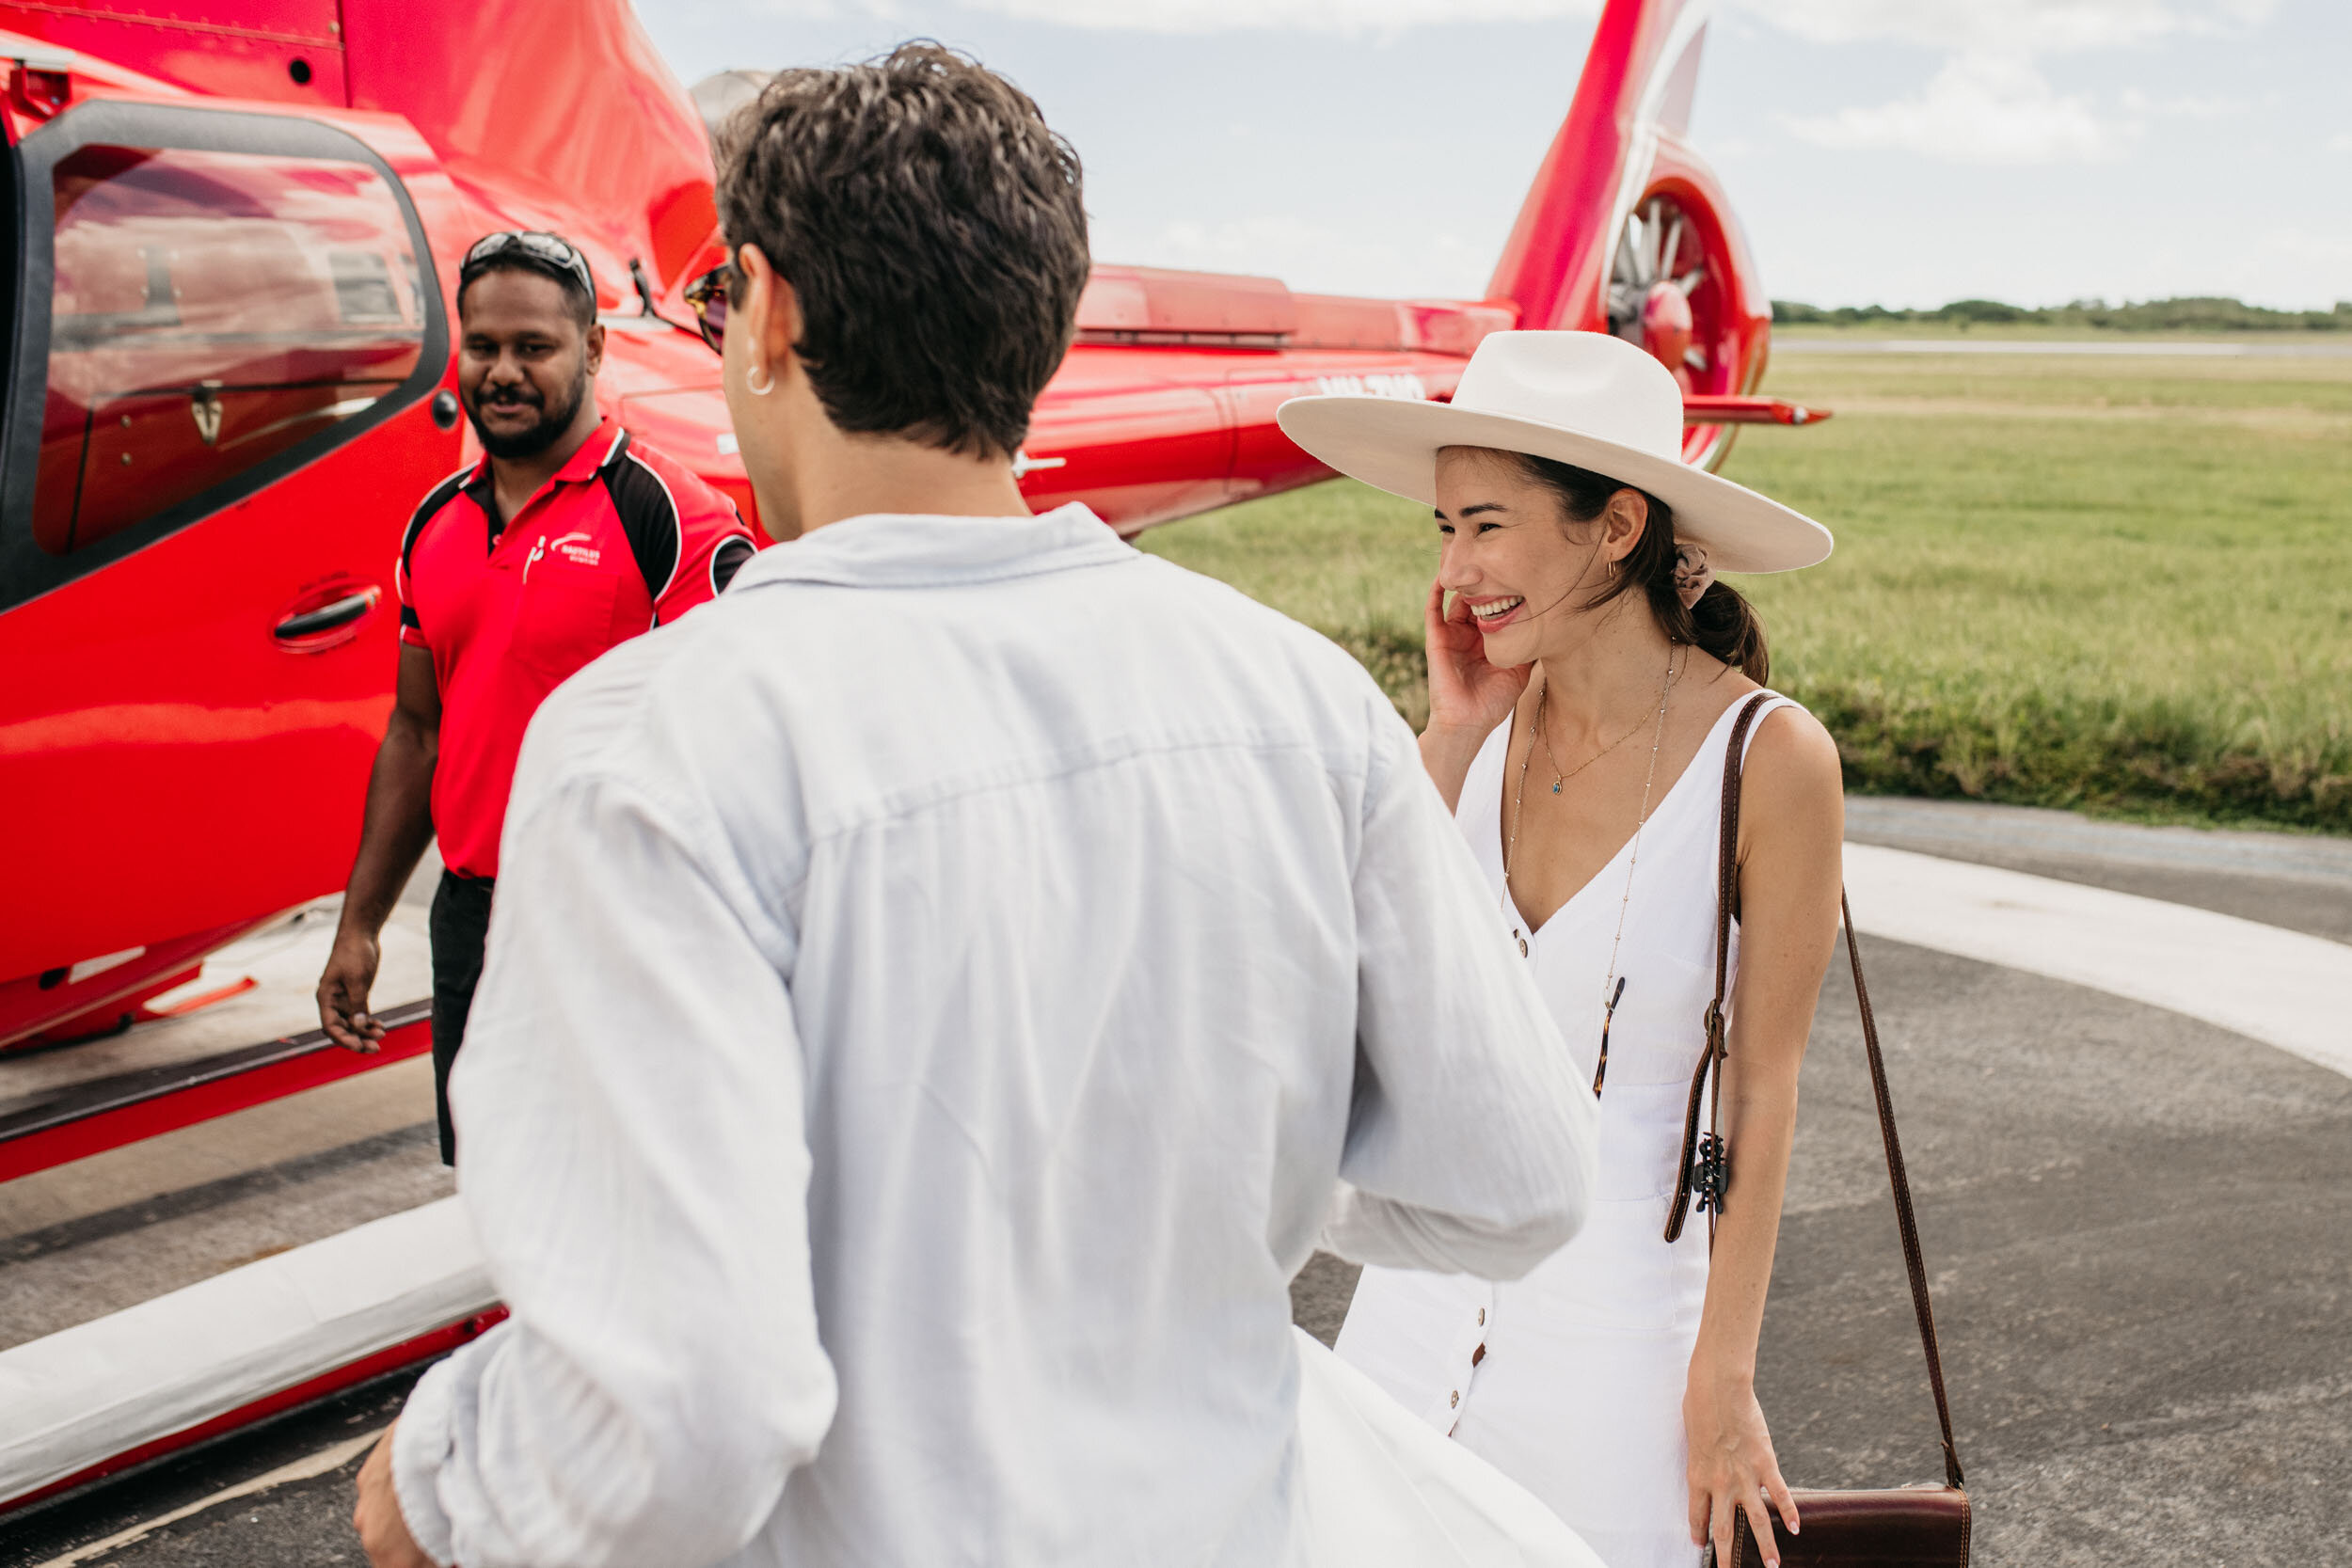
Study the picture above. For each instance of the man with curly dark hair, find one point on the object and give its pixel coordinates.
(941, 987)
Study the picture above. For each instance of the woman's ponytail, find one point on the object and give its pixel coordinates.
(1722, 623)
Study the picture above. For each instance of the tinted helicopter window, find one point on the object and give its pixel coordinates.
(211, 311)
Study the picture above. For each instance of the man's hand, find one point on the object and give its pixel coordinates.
(344, 992)
(393, 833)
(383, 1533)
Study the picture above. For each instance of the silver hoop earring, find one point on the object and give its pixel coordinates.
(761, 386)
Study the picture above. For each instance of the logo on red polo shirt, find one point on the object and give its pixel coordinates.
(575, 548)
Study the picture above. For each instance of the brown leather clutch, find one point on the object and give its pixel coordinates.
(1910, 1527)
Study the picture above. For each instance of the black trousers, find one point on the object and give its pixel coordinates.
(460, 926)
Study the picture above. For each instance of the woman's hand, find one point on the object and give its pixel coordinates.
(1732, 1465)
(1466, 693)
(1468, 696)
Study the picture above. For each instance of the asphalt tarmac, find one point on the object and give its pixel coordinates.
(2133, 1221)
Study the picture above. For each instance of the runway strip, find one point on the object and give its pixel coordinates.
(2280, 987)
(2158, 349)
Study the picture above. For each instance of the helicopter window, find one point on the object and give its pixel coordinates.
(210, 309)
(363, 286)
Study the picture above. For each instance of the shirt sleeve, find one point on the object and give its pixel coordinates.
(403, 590)
(412, 629)
(1472, 1144)
(629, 1105)
(713, 542)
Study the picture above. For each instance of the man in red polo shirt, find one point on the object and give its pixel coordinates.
(568, 537)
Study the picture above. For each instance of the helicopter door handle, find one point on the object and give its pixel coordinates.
(340, 612)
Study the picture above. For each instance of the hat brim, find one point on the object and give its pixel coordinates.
(1392, 444)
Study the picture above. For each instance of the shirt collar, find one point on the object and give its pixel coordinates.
(909, 550)
(601, 447)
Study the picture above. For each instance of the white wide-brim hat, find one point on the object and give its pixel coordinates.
(1582, 398)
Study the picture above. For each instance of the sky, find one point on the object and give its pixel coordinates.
(1902, 153)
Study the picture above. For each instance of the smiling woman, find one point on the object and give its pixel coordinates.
(1682, 589)
(1575, 615)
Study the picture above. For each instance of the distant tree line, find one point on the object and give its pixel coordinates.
(2198, 313)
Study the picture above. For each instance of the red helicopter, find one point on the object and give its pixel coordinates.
(237, 227)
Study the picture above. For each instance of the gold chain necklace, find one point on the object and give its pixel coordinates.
(1559, 776)
(1612, 984)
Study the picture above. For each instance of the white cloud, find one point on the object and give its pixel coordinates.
(2297, 244)
(2011, 27)
(2186, 106)
(2288, 266)
(1379, 18)
(673, 17)
(711, 12)
(1308, 256)
(2339, 142)
(1978, 109)
(1990, 102)
(2003, 26)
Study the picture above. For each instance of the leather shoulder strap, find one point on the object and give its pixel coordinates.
(1900, 1181)
(1711, 1071)
(1727, 896)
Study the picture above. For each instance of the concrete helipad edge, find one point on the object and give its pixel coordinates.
(2280, 987)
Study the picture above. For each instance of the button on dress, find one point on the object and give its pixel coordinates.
(1570, 1380)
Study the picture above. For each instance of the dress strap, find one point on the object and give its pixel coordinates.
(1479, 812)
(1763, 710)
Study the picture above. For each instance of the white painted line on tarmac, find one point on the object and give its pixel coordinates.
(2282, 987)
(304, 1468)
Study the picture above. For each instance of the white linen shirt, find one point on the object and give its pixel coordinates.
(935, 993)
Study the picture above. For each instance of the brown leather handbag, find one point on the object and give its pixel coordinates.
(1913, 1526)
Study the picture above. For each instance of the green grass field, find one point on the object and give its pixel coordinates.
(2120, 585)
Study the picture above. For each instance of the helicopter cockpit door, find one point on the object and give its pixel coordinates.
(226, 327)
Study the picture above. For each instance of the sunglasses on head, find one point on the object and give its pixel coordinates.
(550, 249)
(708, 296)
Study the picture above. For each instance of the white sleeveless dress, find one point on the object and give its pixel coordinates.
(1572, 1380)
